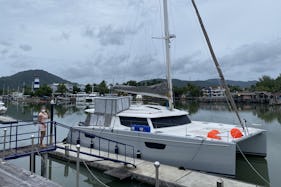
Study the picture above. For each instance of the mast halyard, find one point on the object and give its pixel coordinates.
(167, 47)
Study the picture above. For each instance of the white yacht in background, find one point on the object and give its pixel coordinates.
(166, 134)
(91, 97)
(3, 109)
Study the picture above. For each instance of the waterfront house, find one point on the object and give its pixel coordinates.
(212, 92)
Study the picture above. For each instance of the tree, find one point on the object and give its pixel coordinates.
(88, 88)
(44, 90)
(131, 83)
(234, 88)
(76, 89)
(102, 88)
(265, 84)
(27, 90)
(277, 84)
(61, 89)
(193, 90)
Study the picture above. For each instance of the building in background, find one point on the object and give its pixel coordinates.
(36, 84)
(213, 92)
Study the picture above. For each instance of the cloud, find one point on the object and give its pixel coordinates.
(89, 32)
(108, 35)
(254, 60)
(6, 44)
(95, 40)
(25, 47)
(4, 51)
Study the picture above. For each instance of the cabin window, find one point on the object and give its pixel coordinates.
(129, 121)
(170, 121)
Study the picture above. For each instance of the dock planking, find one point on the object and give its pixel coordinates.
(24, 151)
(11, 176)
(145, 171)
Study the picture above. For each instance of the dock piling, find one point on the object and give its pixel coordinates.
(219, 182)
(44, 165)
(66, 150)
(32, 158)
(156, 165)
(5, 134)
(77, 165)
(4, 145)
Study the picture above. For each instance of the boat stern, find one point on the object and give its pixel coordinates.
(253, 144)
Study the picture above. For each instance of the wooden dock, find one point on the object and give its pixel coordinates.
(145, 171)
(11, 176)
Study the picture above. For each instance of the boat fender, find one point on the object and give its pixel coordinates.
(78, 141)
(214, 134)
(116, 149)
(236, 133)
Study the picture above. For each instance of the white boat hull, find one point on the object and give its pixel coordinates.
(197, 154)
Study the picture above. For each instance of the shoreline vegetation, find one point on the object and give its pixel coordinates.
(267, 90)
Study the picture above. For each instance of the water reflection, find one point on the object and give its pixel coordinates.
(265, 112)
(268, 113)
(67, 176)
(245, 173)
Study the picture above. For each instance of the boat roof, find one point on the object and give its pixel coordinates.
(147, 111)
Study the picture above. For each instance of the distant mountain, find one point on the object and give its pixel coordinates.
(27, 77)
(206, 83)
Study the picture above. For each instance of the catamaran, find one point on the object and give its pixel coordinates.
(166, 134)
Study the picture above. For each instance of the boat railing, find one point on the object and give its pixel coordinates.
(22, 139)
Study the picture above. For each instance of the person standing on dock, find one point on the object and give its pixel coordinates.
(42, 117)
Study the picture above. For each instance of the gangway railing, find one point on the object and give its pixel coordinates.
(100, 147)
(15, 139)
(15, 142)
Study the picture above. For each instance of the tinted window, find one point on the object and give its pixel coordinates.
(129, 121)
(170, 121)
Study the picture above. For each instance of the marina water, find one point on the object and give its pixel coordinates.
(260, 116)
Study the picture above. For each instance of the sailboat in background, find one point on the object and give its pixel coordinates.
(167, 134)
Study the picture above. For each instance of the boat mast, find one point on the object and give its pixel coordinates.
(227, 91)
(167, 46)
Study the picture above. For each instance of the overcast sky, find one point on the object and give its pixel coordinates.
(87, 41)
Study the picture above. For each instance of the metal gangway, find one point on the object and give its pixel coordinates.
(22, 139)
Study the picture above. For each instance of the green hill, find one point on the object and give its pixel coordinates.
(20, 79)
(205, 83)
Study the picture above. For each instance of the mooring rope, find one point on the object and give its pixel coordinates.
(93, 174)
(253, 168)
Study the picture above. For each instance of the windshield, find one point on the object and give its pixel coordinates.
(170, 121)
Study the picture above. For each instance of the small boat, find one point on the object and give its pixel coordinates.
(166, 134)
(3, 109)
